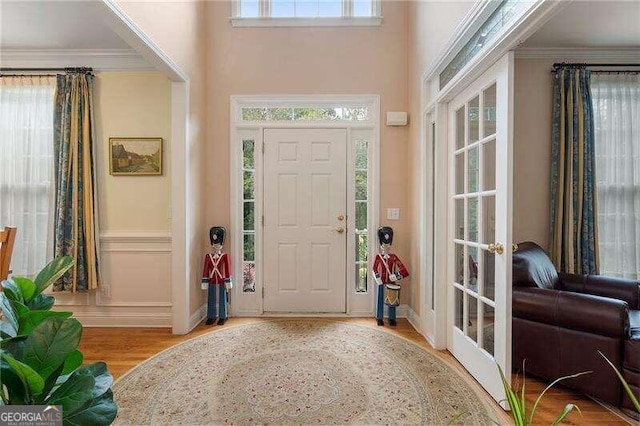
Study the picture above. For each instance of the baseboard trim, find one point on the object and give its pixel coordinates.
(197, 317)
(101, 319)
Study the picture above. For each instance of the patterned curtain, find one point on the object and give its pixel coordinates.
(574, 245)
(75, 219)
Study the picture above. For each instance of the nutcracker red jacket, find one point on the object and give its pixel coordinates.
(393, 265)
(216, 268)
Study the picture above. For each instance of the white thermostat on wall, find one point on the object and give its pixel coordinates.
(396, 118)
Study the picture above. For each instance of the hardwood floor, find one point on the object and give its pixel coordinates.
(124, 348)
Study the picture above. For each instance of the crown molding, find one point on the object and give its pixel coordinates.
(99, 60)
(574, 53)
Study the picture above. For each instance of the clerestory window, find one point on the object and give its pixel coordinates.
(306, 12)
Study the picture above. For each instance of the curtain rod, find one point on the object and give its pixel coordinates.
(87, 70)
(559, 65)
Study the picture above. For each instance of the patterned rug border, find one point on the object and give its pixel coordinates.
(484, 397)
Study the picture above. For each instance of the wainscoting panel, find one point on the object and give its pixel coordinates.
(136, 283)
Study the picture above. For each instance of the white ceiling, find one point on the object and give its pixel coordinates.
(594, 24)
(55, 25)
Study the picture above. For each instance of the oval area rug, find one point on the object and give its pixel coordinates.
(300, 371)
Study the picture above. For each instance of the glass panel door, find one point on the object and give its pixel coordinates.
(479, 295)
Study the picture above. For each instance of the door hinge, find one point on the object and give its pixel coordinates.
(262, 220)
(263, 147)
(263, 291)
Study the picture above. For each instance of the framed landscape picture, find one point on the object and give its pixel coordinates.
(135, 156)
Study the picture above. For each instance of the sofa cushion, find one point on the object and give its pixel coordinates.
(533, 268)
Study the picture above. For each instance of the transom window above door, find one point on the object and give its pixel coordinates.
(306, 13)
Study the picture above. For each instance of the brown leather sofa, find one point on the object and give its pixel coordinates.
(561, 321)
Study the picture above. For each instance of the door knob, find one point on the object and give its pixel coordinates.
(339, 230)
(340, 217)
(496, 248)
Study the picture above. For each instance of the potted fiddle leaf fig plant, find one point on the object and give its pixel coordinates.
(40, 363)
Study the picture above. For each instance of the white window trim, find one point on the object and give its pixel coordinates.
(346, 20)
(251, 303)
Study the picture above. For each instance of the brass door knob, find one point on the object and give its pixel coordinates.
(496, 248)
(339, 230)
(340, 217)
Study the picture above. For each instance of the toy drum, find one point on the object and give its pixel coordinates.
(391, 294)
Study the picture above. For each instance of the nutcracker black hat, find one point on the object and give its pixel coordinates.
(216, 235)
(385, 235)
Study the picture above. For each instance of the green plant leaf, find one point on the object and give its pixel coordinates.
(33, 382)
(15, 387)
(54, 270)
(27, 288)
(12, 291)
(14, 346)
(103, 378)
(559, 379)
(567, 409)
(73, 361)
(32, 319)
(512, 400)
(19, 309)
(49, 384)
(41, 302)
(50, 343)
(9, 319)
(74, 393)
(625, 385)
(97, 412)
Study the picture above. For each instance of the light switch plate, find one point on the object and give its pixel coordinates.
(393, 214)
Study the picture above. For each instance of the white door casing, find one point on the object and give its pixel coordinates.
(305, 196)
(480, 127)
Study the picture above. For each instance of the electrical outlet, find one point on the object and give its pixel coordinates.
(393, 214)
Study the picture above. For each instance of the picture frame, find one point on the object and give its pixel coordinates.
(135, 156)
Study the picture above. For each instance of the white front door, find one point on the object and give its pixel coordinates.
(305, 200)
(479, 293)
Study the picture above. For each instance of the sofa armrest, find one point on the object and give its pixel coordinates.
(574, 311)
(601, 285)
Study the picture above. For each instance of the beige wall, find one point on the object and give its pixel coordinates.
(368, 60)
(532, 150)
(430, 24)
(133, 104)
(178, 28)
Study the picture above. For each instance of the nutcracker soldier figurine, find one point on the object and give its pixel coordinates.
(216, 273)
(387, 271)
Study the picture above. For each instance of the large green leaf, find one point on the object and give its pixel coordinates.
(19, 308)
(27, 288)
(33, 382)
(32, 319)
(74, 393)
(98, 412)
(73, 361)
(54, 270)
(12, 291)
(13, 384)
(50, 343)
(41, 302)
(14, 346)
(103, 378)
(49, 384)
(9, 319)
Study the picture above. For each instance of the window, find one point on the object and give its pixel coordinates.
(26, 167)
(306, 114)
(249, 208)
(616, 110)
(361, 234)
(306, 12)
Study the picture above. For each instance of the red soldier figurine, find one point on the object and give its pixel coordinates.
(217, 273)
(388, 270)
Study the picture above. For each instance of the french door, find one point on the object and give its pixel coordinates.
(305, 201)
(479, 284)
